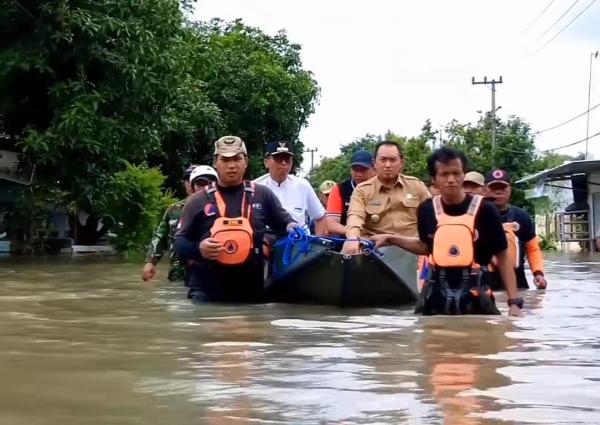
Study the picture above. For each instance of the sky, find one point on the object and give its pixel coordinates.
(391, 65)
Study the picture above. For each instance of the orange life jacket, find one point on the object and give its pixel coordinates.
(454, 238)
(235, 234)
(514, 245)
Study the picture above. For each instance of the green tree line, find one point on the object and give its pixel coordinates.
(113, 99)
(515, 151)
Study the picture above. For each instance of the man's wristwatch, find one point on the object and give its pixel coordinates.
(516, 301)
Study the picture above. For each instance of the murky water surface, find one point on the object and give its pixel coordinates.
(83, 341)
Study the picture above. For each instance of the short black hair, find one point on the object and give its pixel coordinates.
(445, 155)
(387, 143)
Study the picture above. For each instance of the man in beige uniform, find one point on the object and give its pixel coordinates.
(386, 203)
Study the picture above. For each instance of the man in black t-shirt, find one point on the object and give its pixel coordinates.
(211, 278)
(517, 224)
(447, 170)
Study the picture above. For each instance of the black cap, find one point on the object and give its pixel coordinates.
(497, 176)
(276, 148)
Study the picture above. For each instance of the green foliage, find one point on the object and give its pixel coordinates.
(548, 242)
(87, 85)
(258, 82)
(515, 148)
(416, 151)
(337, 169)
(133, 203)
(515, 151)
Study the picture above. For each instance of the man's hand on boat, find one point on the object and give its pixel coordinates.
(381, 240)
(408, 243)
(351, 247)
(210, 248)
(540, 281)
(291, 226)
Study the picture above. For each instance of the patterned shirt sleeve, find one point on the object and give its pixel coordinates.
(160, 240)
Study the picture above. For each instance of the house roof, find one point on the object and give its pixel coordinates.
(563, 172)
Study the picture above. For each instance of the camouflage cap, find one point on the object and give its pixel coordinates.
(229, 146)
(326, 186)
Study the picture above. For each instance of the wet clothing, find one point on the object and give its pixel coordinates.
(163, 239)
(525, 232)
(376, 209)
(339, 200)
(461, 290)
(212, 281)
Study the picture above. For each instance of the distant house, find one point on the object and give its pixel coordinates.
(57, 230)
(12, 182)
(577, 221)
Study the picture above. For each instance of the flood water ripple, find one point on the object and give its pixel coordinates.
(83, 341)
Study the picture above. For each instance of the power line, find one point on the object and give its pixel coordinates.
(566, 26)
(532, 23)
(567, 121)
(572, 144)
(492, 83)
(558, 20)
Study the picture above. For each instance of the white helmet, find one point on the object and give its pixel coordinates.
(205, 172)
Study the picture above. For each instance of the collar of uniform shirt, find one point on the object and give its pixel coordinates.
(383, 188)
(276, 183)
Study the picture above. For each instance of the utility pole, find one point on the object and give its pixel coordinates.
(587, 128)
(312, 156)
(493, 83)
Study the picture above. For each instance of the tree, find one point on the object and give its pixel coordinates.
(415, 150)
(89, 89)
(515, 151)
(515, 147)
(258, 83)
(336, 169)
(86, 85)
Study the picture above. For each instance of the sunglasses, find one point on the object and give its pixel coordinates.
(281, 159)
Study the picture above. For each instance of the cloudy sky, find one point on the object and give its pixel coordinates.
(387, 64)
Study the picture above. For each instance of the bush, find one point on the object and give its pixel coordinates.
(548, 242)
(133, 203)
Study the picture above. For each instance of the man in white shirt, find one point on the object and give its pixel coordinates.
(295, 193)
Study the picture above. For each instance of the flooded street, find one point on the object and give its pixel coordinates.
(83, 341)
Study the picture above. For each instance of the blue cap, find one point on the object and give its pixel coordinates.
(188, 172)
(362, 158)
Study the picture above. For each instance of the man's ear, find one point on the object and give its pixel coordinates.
(266, 162)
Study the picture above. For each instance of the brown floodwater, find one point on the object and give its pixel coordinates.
(83, 341)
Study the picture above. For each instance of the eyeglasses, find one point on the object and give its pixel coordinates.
(202, 182)
(281, 159)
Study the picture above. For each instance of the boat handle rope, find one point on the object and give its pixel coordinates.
(298, 237)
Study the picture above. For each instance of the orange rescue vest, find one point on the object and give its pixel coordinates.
(454, 238)
(514, 245)
(235, 234)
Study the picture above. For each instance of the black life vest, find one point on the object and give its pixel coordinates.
(346, 188)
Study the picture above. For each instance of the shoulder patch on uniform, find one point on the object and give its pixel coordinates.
(210, 209)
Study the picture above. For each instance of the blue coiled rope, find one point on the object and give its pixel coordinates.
(299, 238)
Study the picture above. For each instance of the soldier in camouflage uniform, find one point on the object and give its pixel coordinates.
(162, 240)
(194, 178)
